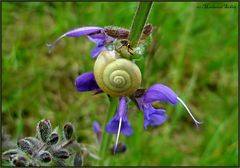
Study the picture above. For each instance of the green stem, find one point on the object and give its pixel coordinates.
(139, 21)
(106, 138)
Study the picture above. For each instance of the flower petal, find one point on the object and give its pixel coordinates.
(153, 116)
(99, 39)
(159, 92)
(84, 31)
(122, 107)
(97, 130)
(96, 127)
(126, 128)
(86, 82)
(97, 50)
(112, 126)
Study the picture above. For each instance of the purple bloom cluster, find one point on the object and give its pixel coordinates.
(152, 116)
(119, 123)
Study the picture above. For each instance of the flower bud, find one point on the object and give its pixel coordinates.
(68, 130)
(44, 156)
(97, 130)
(61, 163)
(61, 154)
(18, 161)
(44, 129)
(77, 160)
(25, 146)
(34, 141)
(53, 139)
(33, 164)
(121, 148)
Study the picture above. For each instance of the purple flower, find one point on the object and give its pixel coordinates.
(152, 116)
(94, 34)
(97, 130)
(158, 92)
(86, 82)
(119, 122)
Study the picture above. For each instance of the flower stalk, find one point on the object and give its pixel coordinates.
(106, 138)
(137, 27)
(139, 21)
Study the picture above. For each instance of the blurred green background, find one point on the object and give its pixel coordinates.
(193, 51)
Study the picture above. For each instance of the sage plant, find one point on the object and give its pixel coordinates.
(116, 74)
(48, 148)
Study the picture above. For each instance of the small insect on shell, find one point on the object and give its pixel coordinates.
(116, 76)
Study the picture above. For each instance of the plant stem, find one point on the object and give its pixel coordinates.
(106, 138)
(139, 21)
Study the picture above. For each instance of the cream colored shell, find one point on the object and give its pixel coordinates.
(116, 76)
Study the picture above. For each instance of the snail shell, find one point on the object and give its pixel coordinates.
(116, 76)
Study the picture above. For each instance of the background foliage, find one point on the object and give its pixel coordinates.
(193, 50)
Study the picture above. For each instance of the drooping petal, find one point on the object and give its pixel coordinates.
(126, 128)
(97, 50)
(86, 82)
(112, 126)
(160, 92)
(153, 117)
(84, 31)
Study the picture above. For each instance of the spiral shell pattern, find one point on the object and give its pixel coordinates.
(116, 76)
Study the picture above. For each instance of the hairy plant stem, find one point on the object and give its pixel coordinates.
(139, 21)
(106, 138)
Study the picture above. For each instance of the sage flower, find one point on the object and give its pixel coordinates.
(94, 34)
(86, 82)
(100, 36)
(158, 92)
(120, 121)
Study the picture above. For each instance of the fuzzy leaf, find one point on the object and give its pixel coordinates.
(10, 152)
